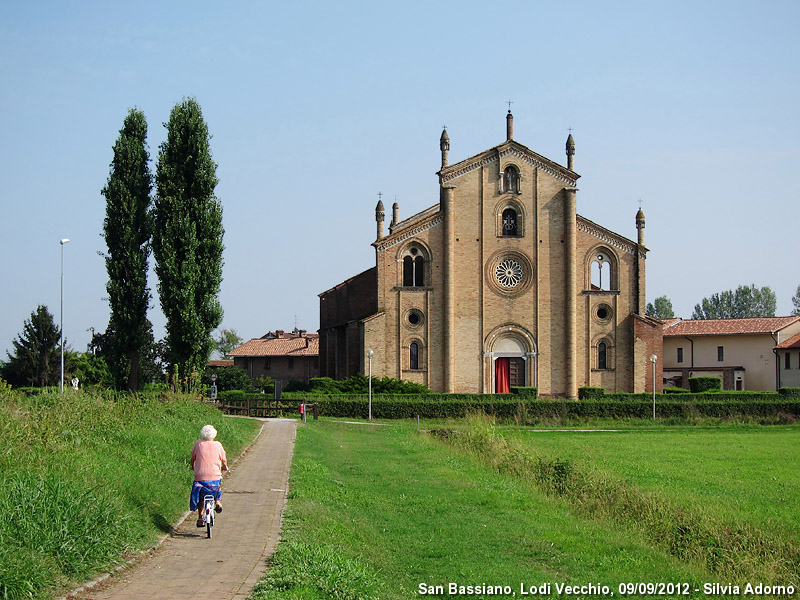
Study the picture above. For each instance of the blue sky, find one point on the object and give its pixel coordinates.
(314, 107)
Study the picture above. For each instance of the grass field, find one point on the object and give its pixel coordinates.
(378, 512)
(744, 473)
(88, 477)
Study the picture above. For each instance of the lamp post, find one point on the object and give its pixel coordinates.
(63, 241)
(369, 354)
(653, 359)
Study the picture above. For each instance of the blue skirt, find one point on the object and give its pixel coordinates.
(203, 487)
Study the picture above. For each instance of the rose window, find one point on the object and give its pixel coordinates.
(509, 273)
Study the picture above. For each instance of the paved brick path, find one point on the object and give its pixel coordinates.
(226, 567)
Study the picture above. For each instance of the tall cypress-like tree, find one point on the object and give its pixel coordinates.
(187, 238)
(127, 229)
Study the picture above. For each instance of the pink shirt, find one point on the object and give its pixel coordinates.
(208, 458)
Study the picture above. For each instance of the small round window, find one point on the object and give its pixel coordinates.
(603, 312)
(415, 318)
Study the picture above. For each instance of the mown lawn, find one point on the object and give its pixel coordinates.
(743, 473)
(378, 511)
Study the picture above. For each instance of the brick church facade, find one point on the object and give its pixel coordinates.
(500, 284)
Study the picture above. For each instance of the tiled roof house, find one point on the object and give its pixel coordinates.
(747, 354)
(284, 356)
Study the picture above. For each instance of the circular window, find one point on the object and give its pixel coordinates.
(509, 273)
(415, 318)
(602, 312)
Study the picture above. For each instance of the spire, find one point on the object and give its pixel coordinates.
(444, 146)
(509, 125)
(379, 215)
(395, 214)
(640, 225)
(570, 151)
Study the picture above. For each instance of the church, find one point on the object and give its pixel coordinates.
(499, 284)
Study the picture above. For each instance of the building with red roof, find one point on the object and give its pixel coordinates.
(284, 356)
(747, 354)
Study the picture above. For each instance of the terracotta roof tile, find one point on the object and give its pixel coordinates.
(220, 363)
(286, 345)
(790, 344)
(728, 326)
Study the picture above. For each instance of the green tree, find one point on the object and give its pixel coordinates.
(36, 358)
(796, 302)
(187, 239)
(744, 301)
(150, 358)
(127, 230)
(226, 340)
(660, 308)
(90, 369)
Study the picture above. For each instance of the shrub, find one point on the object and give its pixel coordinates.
(230, 378)
(359, 384)
(587, 393)
(527, 392)
(699, 385)
(790, 392)
(296, 386)
(676, 390)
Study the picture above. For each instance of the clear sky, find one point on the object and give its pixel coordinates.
(689, 106)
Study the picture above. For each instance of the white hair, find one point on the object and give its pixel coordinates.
(208, 432)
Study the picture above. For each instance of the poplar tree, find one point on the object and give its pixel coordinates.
(187, 238)
(127, 229)
(744, 301)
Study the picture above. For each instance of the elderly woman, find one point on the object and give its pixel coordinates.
(208, 462)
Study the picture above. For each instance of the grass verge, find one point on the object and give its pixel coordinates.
(90, 477)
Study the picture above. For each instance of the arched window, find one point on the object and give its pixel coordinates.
(413, 269)
(602, 271)
(602, 356)
(510, 223)
(511, 180)
(413, 356)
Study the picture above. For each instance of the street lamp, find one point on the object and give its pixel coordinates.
(653, 359)
(369, 354)
(63, 241)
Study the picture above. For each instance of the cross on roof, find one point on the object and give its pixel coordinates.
(509, 102)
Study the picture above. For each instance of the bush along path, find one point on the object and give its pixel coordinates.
(227, 566)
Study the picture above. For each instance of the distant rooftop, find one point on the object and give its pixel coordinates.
(752, 326)
(280, 343)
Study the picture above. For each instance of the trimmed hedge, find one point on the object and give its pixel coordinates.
(790, 392)
(699, 385)
(527, 392)
(428, 406)
(587, 392)
(440, 406)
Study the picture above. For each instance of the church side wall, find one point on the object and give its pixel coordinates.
(617, 330)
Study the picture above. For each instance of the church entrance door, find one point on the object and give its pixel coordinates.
(509, 371)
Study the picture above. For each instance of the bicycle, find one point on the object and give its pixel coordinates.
(209, 504)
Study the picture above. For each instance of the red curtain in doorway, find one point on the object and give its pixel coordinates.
(501, 376)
